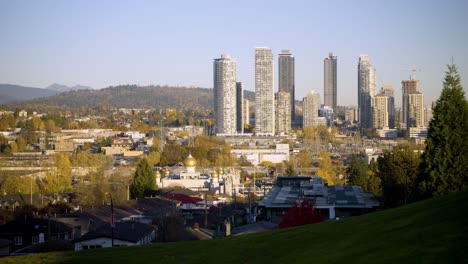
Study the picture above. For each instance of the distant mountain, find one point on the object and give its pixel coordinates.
(64, 88)
(14, 93)
(131, 96)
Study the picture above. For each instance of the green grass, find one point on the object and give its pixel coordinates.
(431, 231)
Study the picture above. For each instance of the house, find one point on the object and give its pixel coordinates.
(26, 232)
(125, 234)
(4, 247)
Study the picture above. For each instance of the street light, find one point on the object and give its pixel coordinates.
(112, 218)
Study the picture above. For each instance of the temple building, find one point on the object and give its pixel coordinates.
(188, 177)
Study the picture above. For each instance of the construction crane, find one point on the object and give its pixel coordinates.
(413, 71)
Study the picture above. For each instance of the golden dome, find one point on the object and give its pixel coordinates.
(166, 171)
(220, 171)
(158, 174)
(190, 161)
(214, 174)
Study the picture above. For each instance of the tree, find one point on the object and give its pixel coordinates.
(144, 181)
(21, 142)
(357, 172)
(13, 147)
(398, 172)
(154, 158)
(7, 122)
(304, 159)
(326, 170)
(300, 214)
(445, 160)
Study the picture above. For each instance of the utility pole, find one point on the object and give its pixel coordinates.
(206, 211)
(112, 219)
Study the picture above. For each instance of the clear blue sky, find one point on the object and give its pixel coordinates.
(104, 43)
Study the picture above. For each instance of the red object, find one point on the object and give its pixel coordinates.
(182, 198)
(300, 214)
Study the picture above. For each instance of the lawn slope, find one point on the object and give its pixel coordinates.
(432, 231)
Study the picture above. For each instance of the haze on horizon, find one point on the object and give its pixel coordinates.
(107, 43)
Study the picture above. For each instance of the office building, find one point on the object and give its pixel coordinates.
(225, 114)
(366, 90)
(264, 92)
(286, 77)
(330, 82)
(311, 106)
(283, 112)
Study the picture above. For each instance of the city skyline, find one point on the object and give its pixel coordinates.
(102, 44)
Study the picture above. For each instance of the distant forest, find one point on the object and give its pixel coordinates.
(128, 96)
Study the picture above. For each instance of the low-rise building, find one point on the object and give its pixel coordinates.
(331, 202)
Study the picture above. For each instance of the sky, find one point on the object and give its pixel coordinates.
(107, 43)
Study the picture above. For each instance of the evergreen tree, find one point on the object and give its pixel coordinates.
(445, 161)
(357, 172)
(398, 171)
(144, 181)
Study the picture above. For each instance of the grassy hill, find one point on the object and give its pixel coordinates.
(432, 231)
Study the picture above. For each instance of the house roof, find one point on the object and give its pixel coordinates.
(183, 198)
(33, 226)
(126, 231)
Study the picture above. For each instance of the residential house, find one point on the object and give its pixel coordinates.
(125, 234)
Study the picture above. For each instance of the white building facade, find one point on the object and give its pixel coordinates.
(264, 92)
(224, 88)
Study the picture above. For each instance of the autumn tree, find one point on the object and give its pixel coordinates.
(7, 122)
(304, 159)
(445, 161)
(60, 180)
(21, 142)
(326, 169)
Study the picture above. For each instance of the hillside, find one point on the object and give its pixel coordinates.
(130, 96)
(432, 231)
(63, 88)
(13, 93)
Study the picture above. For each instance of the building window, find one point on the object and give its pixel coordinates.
(35, 240)
(18, 241)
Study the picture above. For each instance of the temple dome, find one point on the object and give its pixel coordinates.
(190, 161)
(214, 174)
(158, 174)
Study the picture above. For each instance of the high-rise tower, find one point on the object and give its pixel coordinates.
(380, 111)
(264, 92)
(366, 90)
(407, 87)
(239, 102)
(286, 77)
(330, 82)
(224, 88)
(283, 112)
(389, 92)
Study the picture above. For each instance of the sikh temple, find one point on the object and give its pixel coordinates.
(188, 177)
